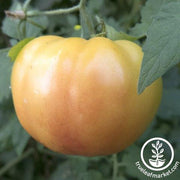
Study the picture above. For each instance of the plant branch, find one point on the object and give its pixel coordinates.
(82, 3)
(115, 166)
(15, 161)
(35, 24)
(53, 12)
(26, 4)
(86, 17)
(24, 14)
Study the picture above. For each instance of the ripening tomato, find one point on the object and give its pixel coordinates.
(79, 96)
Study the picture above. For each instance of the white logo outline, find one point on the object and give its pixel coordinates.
(172, 153)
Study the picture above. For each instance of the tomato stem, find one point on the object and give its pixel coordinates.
(26, 4)
(115, 166)
(53, 12)
(103, 27)
(15, 161)
(86, 18)
(35, 24)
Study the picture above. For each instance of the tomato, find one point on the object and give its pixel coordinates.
(78, 96)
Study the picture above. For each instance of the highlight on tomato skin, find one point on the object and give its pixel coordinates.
(79, 97)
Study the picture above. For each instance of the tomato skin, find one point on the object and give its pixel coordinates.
(79, 96)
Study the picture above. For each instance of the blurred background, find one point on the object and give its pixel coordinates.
(23, 158)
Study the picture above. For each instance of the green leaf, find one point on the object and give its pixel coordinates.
(129, 159)
(19, 137)
(71, 169)
(40, 3)
(86, 23)
(14, 51)
(13, 135)
(140, 29)
(5, 134)
(94, 6)
(150, 10)
(10, 26)
(13, 42)
(161, 49)
(20, 30)
(91, 174)
(171, 79)
(170, 104)
(5, 72)
(33, 30)
(112, 34)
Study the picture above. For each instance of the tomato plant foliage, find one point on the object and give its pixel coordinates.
(161, 50)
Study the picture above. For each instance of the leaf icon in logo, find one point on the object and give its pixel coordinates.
(160, 145)
(157, 143)
(153, 145)
(157, 155)
(153, 151)
(161, 151)
(160, 156)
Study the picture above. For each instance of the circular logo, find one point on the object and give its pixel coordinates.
(157, 154)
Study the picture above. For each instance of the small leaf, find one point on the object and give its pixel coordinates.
(161, 151)
(22, 29)
(153, 156)
(153, 151)
(87, 28)
(153, 145)
(140, 29)
(157, 143)
(33, 30)
(94, 6)
(14, 51)
(19, 137)
(112, 34)
(160, 156)
(150, 10)
(160, 145)
(5, 135)
(10, 26)
(5, 72)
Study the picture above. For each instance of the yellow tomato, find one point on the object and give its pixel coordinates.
(79, 96)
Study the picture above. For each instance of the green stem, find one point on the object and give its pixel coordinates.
(115, 166)
(19, 30)
(103, 27)
(53, 12)
(86, 17)
(81, 7)
(24, 29)
(82, 3)
(26, 4)
(35, 24)
(102, 34)
(15, 161)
